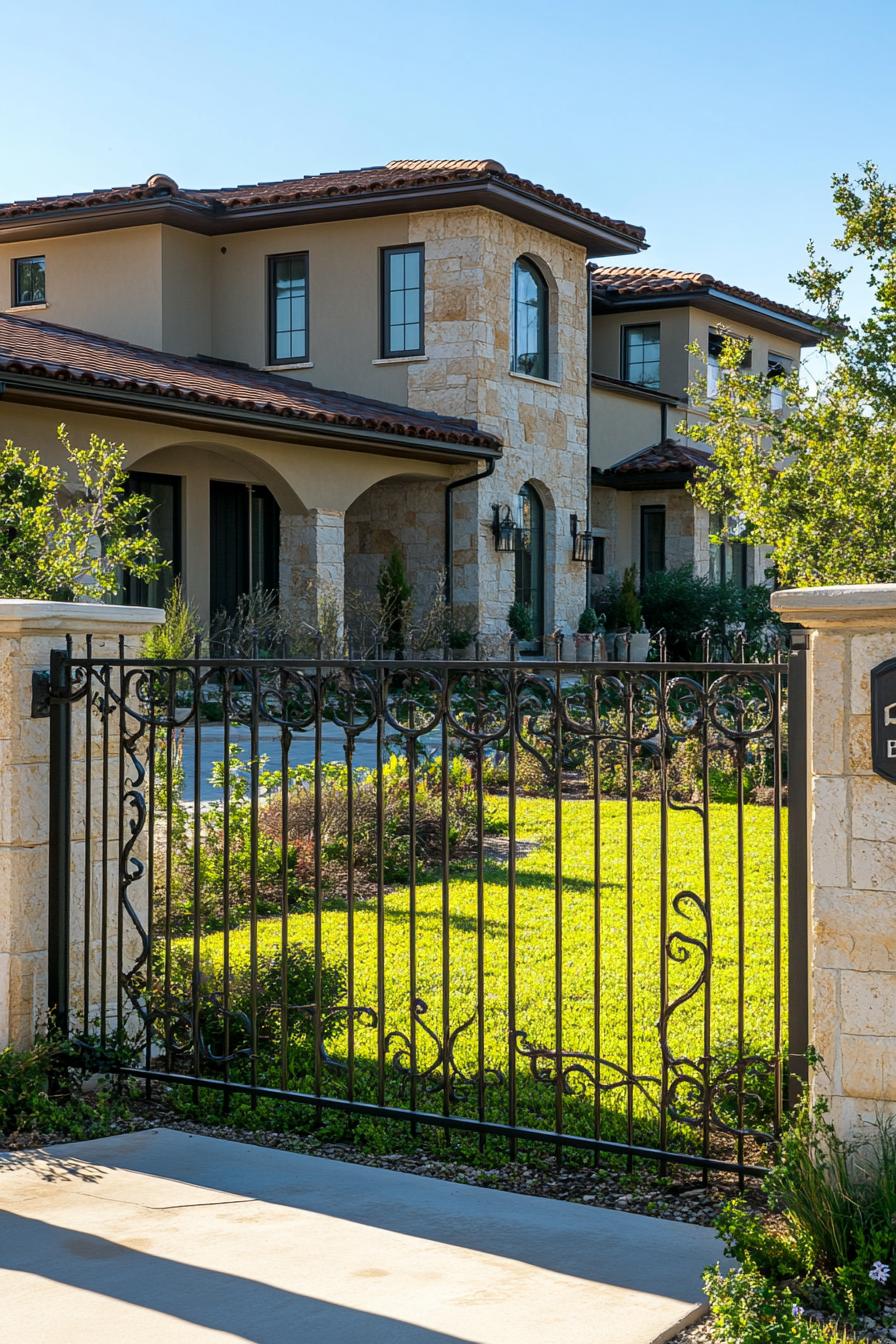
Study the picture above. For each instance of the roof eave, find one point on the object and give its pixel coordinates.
(32, 388)
(212, 219)
(722, 304)
(642, 480)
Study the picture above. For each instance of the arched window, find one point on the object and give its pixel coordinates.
(530, 319)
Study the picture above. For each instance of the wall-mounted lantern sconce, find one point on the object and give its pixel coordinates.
(503, 527)
(582, 542)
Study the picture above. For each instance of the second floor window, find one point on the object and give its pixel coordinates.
(401, 301)
(714, 348)
(288, 309)
(530, 320)
(779, 367)
(641, 355)
(29, 280)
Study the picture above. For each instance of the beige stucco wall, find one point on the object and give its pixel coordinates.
(109, 282)
(606, 350)
(622, 425)
(852, 851)
(343, 301)
(543, 424)
(186, 292)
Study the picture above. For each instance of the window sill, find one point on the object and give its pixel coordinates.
(531, 378)
(284, 368)
(25, 308)
(401, 359)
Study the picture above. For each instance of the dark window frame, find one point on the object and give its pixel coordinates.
(651, 511)
(544, 334)
(623, 352)
(135, 479)
(599, 555)
(17, 300)
(386, 253)
(272, 309)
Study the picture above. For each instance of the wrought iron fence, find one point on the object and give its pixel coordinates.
(535, 900)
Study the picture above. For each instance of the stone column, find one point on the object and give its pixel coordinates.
(312, 571)
(28, 632)
(852, 850)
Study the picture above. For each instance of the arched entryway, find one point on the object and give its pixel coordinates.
(530, 554)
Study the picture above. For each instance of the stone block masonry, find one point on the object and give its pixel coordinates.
(28, 633)
(852, 851)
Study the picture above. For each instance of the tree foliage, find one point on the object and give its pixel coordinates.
(69, 533)
(817, 483)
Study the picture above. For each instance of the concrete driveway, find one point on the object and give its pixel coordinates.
(168, 1238)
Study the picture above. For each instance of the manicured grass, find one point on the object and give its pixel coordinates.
(536, 966)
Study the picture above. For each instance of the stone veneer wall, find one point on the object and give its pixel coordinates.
(852, 851)
(28, 631)
(466, 372)
(404, 513)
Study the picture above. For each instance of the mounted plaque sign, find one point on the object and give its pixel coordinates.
(883, 719)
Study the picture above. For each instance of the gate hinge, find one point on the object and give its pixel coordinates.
(40, 694)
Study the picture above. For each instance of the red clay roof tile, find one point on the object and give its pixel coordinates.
(611, 283)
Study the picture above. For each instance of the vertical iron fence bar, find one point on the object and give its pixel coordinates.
(480, 919)
(446, 910)
(597, 987)
(412, 908)
(60, 823)
(664, 904)
(629, 912)
(705, 729)
(225, 881)
(284, 880)
(197, 860)
(104, 914)
(776, 688)
(350, 888)
(150, 872)
(122, 875)
(254, 786)
(170, 705)
(380, 895)
(511, 897)
(558, 902)
(741, 939)
(88, 822)
(798, 672)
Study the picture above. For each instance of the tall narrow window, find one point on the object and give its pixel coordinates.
(288, 309)
(641, 355)
(530, 320)
(729, 559)
(29, 280)
(165, 525)
(714, 348)
(779, 367)
(653, 539)
(401, 301)
(529, 560)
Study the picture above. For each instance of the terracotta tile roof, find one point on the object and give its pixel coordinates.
(29, 346)
(669, 455)
(398, 175)
(625, 283)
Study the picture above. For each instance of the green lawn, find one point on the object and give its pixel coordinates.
(535, 959)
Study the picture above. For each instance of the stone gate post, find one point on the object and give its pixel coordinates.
(852, 847)
(28, 633)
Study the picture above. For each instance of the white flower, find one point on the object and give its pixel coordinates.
(879, 1272)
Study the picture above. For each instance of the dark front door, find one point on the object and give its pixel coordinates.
(529, 586)
(164, 493)
(244, 529)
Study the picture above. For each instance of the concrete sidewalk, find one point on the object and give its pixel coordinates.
(163, 1238)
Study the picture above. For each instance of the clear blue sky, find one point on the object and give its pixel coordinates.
(715, 125)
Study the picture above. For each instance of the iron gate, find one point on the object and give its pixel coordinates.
(536, 900)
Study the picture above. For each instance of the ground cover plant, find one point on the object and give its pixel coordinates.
(535, 975)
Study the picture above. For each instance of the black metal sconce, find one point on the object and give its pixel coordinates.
(582, 542)
(503, 527)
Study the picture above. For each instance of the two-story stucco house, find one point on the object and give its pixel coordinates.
(310, 373)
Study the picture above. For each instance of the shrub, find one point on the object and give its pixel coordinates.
(628, 612)
(300, 983)
(25, 1101)
(176, 637)
(685, 604)
(748, 1308)
(521, 621)
(589, 622)
(394, 592)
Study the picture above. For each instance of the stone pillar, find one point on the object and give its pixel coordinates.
(312, 571)
(28, 632)
(852, 850)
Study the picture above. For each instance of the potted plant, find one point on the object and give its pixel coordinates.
(519, 618)
(588, 631)
(633, 640)
(459, 638)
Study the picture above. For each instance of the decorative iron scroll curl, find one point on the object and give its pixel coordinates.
(545, 1065)
(432, 1078)
(170, 1020)
(698, 1088)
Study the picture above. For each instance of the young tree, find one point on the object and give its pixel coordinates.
(66, 534)
(817, 483)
